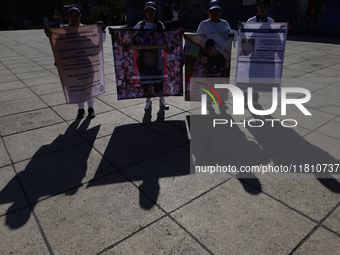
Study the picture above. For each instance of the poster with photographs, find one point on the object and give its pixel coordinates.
(148, 62)
(207, 62)
(261, 50)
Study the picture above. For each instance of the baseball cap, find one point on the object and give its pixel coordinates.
(150, 4)
(72, 7)
(214, 4)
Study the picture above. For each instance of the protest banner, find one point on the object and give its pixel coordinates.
(78, 54)
(207, 62)
(260, 56)
(148, 62)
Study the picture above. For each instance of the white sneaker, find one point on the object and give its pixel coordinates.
(148, 105)
(163, 104)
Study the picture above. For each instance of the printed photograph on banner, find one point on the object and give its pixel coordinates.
(207, 58)
(148, 62)
(260, 56)
(78, 54)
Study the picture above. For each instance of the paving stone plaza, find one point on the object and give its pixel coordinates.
(120, 183)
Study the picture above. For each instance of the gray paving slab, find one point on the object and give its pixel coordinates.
(175, 128)
(331, 128)
(310, 122)
(162, 237)
(30, 75)
(11, 85)
(71, 171)
(321, 242)
(5, 72)
(37, 142)
(11, 195)
(26, 121)
(157, 112)
(228, 147)
(45, 176)
(15, 94)
(311, 85)
(333, 221)
(330, 91)
(242, 223)
(316, 148)
(54, 98)
(47, 89)
(167, 181)
(325, 104)
(300, 190)
(69, 111)
(107, 123)
(107, 212)
(118, 104)
(8, 77)
(21, 105)
(42, 80)
(25, 239)
(133, 145)
(5, 160)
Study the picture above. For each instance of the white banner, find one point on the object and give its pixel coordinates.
(78, 52)
(260, 56)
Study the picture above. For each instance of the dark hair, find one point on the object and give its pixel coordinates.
(174, 7)
(263, 1)
(210, 43)
(204, 54)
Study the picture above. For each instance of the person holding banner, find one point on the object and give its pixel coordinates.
(214, 25)
(73, 14)
(151, 22)
(262, 9)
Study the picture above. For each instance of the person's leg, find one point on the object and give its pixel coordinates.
(148, 104)
(163, 104)
(81, 111)
(91, 110)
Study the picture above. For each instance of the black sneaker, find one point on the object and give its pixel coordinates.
(81, 113)
(91, 114)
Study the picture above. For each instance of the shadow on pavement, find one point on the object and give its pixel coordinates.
(145, 153)
(50, 172)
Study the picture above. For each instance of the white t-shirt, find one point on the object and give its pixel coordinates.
(209, 27)
(253, 19)
(147, 25)
(174, 15)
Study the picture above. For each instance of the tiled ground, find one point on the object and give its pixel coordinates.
(120, 183)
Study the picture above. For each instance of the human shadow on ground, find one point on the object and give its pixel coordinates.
(52, 170)
(146, 152)
(307, 158)
(225, 145)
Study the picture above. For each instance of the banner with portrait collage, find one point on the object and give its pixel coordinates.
(260, 56)
(148, 62)
(78, 54)
(207, 62)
